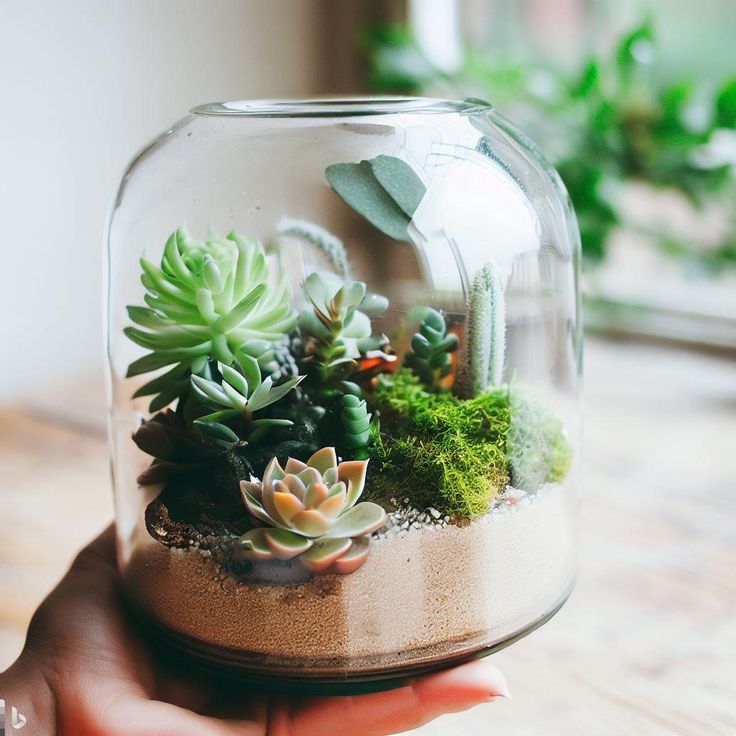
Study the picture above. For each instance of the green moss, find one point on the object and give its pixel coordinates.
(437, 450)
(538, 449)
(457, 456)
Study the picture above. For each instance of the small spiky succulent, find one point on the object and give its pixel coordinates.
(311, 511)
(204, 302)
(239, 396)
(430, 352)
(336, 330)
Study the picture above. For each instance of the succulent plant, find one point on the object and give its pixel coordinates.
(274, 358)
(336, 330)
(430, 352)
(339, 306)
(239, 396)
(203, 302)
(310, 511)
(356, 424)
(178, 449)
(485, 340)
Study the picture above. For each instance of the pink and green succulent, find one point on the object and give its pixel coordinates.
(310, 511)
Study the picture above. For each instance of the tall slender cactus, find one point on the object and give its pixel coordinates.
(485, 338)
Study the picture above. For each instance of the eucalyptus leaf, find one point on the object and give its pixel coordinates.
(358, 187)
(399, 181)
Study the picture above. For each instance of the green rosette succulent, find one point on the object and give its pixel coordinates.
(311, 512)
(239, 396)
(205, 301)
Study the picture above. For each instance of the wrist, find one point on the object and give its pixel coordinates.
(24, 688)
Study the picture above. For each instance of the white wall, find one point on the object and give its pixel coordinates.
(83, 85)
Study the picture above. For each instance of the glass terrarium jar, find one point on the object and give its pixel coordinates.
(344, 346)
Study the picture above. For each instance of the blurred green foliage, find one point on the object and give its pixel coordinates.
(609, 121)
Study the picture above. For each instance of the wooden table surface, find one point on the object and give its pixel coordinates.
(646, 645)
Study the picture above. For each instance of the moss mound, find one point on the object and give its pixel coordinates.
(437, 450)
(457, 455)
(537, 447)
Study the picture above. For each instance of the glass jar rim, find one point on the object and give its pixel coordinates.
(328, 107)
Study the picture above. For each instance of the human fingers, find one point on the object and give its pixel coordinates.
(396, 710)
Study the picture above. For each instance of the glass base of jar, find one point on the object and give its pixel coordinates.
(333, 676)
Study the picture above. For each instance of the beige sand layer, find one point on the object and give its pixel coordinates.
(426, 590)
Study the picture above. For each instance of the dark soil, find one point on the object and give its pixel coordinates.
(207, 504)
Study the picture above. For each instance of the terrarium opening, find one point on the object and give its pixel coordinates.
(340, 107)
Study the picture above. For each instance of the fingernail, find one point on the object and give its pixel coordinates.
(500, 686)
(501, 692)
(494, 679)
